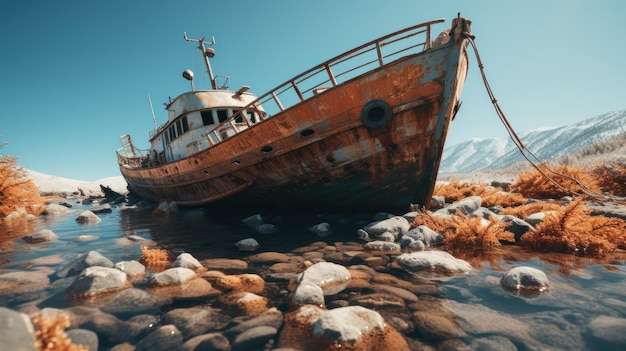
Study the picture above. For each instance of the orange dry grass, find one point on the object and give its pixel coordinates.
(155, 259)
(572, 230)
(50, 334)
(534, 184)
(456, 190)
(17, 194)
(611, 178)
(464, 232)
(526, 210)
(473, 233)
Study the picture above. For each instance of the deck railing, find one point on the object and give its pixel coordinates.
(328, 74)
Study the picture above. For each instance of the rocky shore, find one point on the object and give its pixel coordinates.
(378, 292)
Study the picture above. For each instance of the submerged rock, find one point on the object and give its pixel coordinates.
(44, 235)
(88, 217)
(435, 261)
(525, 279)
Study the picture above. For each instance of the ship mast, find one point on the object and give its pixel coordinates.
(207, 53)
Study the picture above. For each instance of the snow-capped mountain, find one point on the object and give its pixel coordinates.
(546, 143)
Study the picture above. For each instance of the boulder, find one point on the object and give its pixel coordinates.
(97, 280)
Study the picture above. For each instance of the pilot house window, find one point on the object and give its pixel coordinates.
(207, 117)
(222, 115)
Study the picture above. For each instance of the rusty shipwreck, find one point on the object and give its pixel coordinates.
(363, 130)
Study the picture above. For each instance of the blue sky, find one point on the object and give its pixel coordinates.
(74, 75)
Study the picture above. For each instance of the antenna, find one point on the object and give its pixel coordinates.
(152, 109)
(207, 53)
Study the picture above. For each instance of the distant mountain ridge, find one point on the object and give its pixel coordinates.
(546, 143)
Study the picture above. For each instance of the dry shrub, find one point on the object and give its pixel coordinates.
(17, 194)
(455, 190)
(611, 178)
(526, 210)
(473, 233)
(50, 334)
(462, 232)
(571, 230)
(155, 259)
(534, 184)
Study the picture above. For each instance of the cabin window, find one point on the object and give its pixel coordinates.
(185, 125)
(238, 119)
(207, 117)
(251, 116)
(222, 115)
(172, 134)
(166, 138)
(179, 127)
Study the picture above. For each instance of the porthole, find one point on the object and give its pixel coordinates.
(267, 149)
(236, 163)
(307, 132)
(376, 114)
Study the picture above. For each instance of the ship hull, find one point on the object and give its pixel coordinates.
(373, 142)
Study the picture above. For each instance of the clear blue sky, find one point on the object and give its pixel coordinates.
(74, 75)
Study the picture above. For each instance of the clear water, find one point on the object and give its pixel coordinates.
(580, 289)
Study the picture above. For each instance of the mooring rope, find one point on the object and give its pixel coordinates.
(539, 165)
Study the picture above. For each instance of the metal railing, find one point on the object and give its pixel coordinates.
(328, 74)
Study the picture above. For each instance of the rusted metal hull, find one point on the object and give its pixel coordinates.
(322, 154)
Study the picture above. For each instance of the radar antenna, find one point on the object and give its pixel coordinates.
(207, 53)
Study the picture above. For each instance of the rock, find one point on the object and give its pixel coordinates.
(254, 338)
(166, 209)
(609, 330)
(55, 209)
(83, 337)
(307, 293)
(267, 228)
(91, 259)
(253, 221)
(131, 268)
(434, 326)
(383, 246)
(270, 318)
(352, 327)
(525, 279)
(165, 338)
(331, 277)
(104, 208)
(437, 202)
(16, 331)
(187, 261)
(465, 206)
(426, 235)
(193, 321)
(97, 280)
(44, 235)
(322, 230)
(493, 343)
(435, 261)
(396, 225)
(607, 209)
(82, 238)
(516, 226)
(226, 265)
(242, 282)
(248, 244)
(194, 288)
(245, 303)
(106, 326)
(536, 218)
(171, 276)
(131, 302)
(207, 342)
(88, 217)
(268, 258)
(363, 235)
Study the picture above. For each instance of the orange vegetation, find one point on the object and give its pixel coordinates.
(611, 178)
(569, 179)
(463, 232)
(455, 190)
(573, 230)
(17, 194)
(526, 210)
(155, 259)
(50, 334)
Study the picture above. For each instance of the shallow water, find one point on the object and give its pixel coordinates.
(581, 290)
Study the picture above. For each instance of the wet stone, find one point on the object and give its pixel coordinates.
(226, 265)
(171, 276)
(254, 338)
(186, 260)
(248, 244)
(270, 318)
(96, 280)
(396, 225)
(91, 259)
(207, 342)
(525, 278)
(268, 258)
(131, 268)
(436, 261)
(130, 302)
(165, 338)
(88, 217)
(83, 337)
(193, 321)
(433, 326)
(609, 329)
(21, 286)
(16, 331)
(44, 235)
